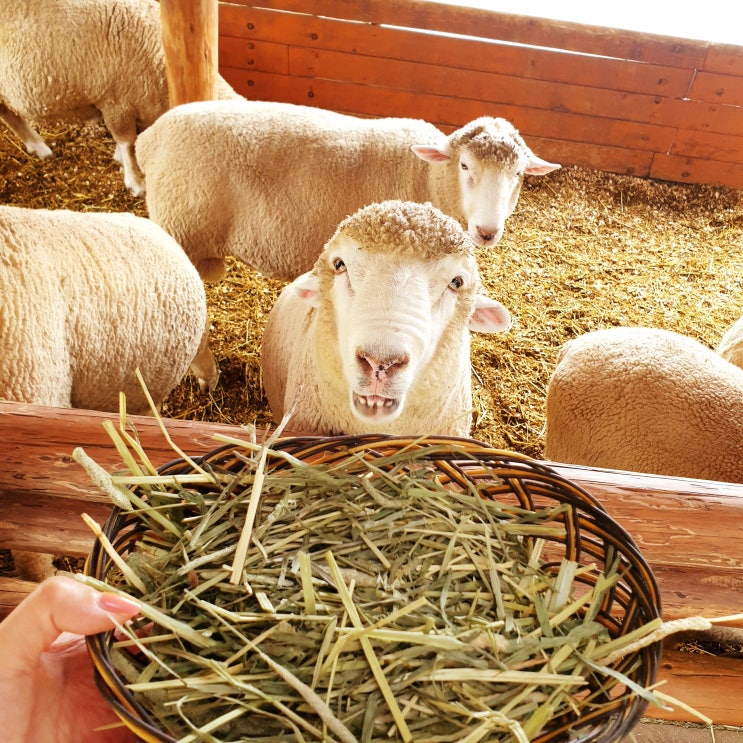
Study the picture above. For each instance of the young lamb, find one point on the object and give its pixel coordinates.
(75, 60)
(376, 337)
(86, 299)
(269, 182)
(646, 400)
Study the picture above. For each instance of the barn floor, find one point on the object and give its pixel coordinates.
(583, 250)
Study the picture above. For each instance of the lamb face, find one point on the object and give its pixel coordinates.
(390, 313)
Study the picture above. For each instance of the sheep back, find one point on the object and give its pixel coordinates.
(646, 400)
(88, 298)
(71, 59)
(269, 182)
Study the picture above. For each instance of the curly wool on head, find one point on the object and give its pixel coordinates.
(488, 138)
(397, 226)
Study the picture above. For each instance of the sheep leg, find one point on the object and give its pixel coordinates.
(28, 135)
(33, 566)
(123, 129)
(204, 366)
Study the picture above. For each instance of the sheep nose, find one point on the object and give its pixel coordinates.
(380, 368)
(488, 235)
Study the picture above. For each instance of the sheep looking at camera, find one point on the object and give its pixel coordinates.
(376, 337)
(646, 400)
(86, 300)
(76, 60)
(269, 182)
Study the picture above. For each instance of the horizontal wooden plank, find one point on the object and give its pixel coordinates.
(690, 170)
(724, 58)
(593, 157)
(12, 592)
(249, 54)
(456, 82)
(708, 146)
(48, 523)
(715, 88)
(403, 45)
(712, 685)
(521, 29)
(695, 115)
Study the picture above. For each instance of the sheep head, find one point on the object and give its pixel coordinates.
(396, 290)
(484, 166)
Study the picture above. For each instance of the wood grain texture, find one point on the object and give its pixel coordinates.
(619, 101)
(191, 44)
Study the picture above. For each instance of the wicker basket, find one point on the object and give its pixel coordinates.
(588, 536)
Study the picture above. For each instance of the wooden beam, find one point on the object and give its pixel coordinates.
(190, 41)
(688, 530)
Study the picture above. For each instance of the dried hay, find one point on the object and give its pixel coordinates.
(584, 250)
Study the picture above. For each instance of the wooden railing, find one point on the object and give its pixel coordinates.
(599, 98)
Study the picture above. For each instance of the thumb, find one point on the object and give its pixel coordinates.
(59, 604)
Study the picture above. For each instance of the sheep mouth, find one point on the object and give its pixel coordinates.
(375, 406)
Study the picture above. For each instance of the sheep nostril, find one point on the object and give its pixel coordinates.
(380, 368)
(485, 235)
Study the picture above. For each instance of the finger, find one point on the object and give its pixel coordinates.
(59, 604)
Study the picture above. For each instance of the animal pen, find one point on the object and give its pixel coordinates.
(617, 101)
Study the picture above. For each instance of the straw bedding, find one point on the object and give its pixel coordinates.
(584, 250)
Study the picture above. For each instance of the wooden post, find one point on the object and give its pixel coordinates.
(190, 41)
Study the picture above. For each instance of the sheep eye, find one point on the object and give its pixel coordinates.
(463, 165)
(456, 283)
(339, 265)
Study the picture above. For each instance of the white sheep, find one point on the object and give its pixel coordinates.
(646, 400)
(730, 346)
(86, 300)
(269, 182)
(376, 337)
(76, 60)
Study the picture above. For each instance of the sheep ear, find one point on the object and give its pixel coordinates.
(307, 288)
(430, 154)
(489, 316)
(537, 166)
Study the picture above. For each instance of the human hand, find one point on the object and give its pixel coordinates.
(47, 689)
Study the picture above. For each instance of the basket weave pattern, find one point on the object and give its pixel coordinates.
(587, 536)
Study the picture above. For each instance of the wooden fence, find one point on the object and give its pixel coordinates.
(604, 99)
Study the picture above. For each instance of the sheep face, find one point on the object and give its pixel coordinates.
(485, 162)
(399, 311)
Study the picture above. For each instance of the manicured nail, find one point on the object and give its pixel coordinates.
(116, 604)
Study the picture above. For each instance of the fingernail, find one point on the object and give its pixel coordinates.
(116, 604)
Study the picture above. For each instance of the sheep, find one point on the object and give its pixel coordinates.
(268, 182)
(86, 300)
(376, 337)
(646, 400)
(76, 60)
(730, 346)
